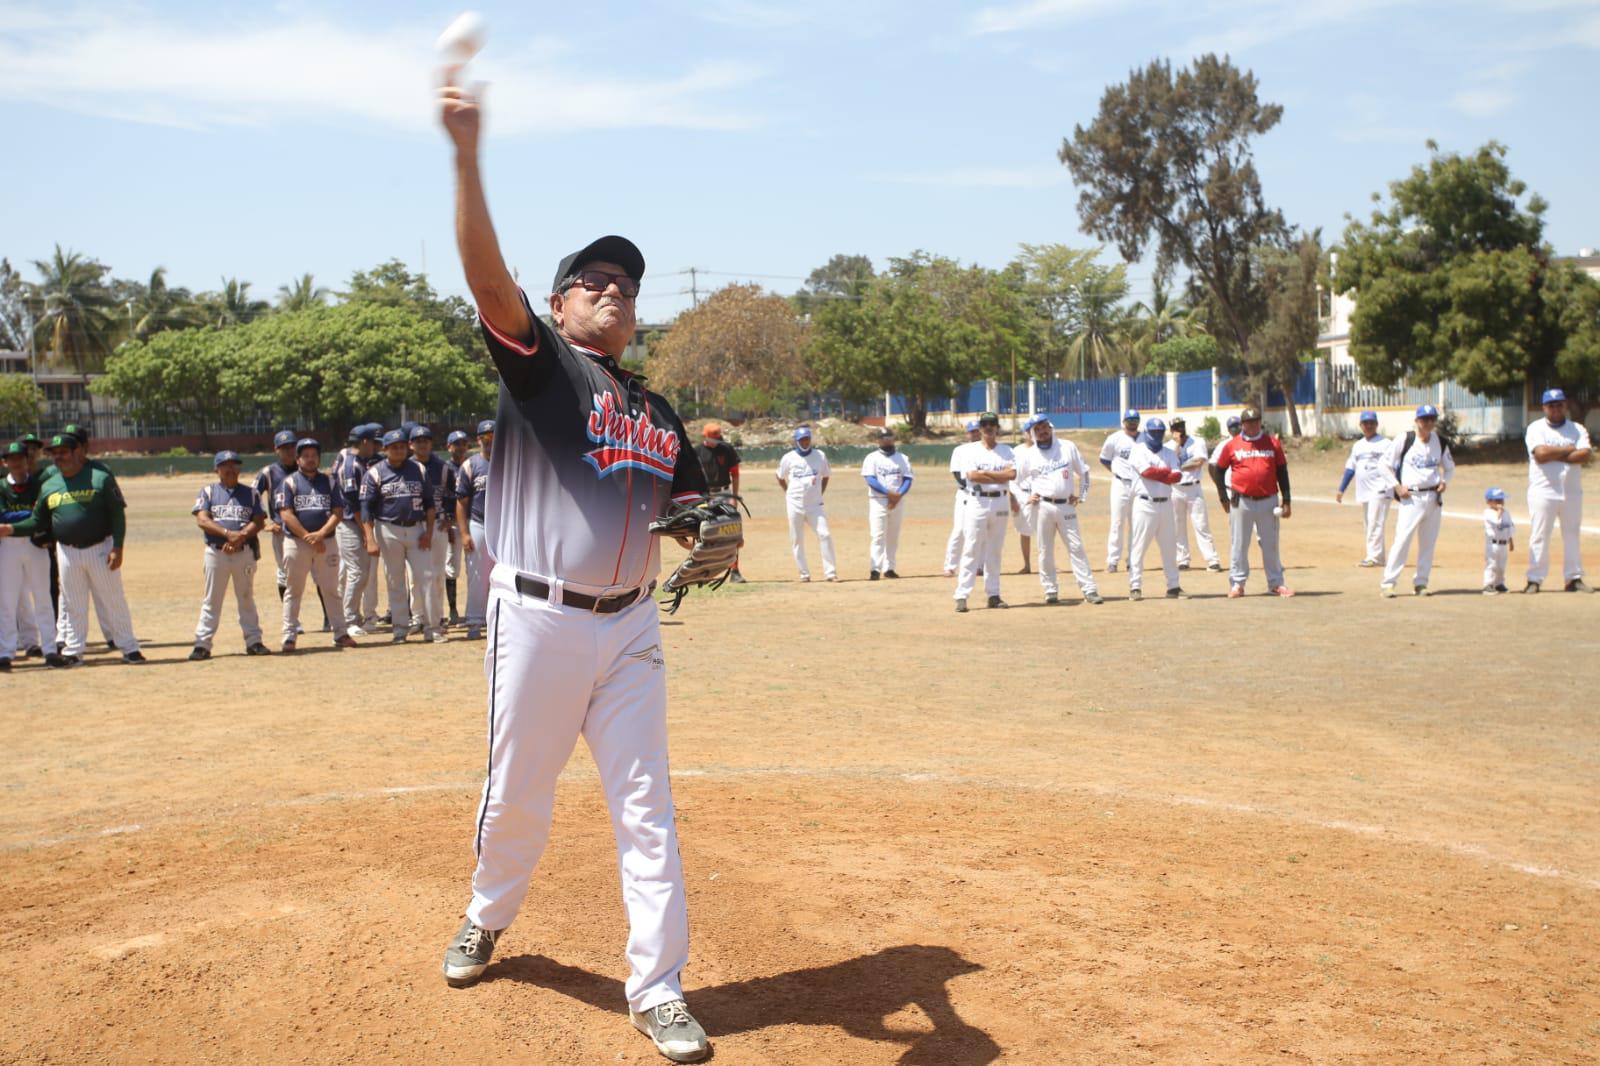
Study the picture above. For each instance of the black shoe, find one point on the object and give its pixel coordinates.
(1577, 585)
(961, 607)
(1214, 568)
(890, 573)
(258, 649)
(55, 660)
(199, 655)
(736, 577)
(1530, 588)
(1501, 588)
(873, 576)
(111, 645)
(5, 666)
(386, 619)
(1183, 566)
(1176, 593)
(33, 652)
(996, 601)
(134, 657)
(72, 660)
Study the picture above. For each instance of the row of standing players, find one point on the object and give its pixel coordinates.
(62, 528)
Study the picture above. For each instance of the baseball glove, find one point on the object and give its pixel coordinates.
(718, 532)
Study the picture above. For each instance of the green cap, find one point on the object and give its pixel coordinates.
(63, 440)
(30, 438)
(16, 447)
(76, 430)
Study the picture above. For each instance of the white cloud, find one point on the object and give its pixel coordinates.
(1033, 14)
(977, 178)
(1483, 103)
(305, 68)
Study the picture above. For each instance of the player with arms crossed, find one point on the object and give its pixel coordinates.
(585, 458)
(1558, 450)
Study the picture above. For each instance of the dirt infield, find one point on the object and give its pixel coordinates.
(1334, 828)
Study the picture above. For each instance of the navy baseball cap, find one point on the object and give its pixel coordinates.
(455, 435)
(370, 431)
(1369, 416)
(354, 435)
(421, 432)
(612, 249)
(225, 456)
(1155, 425)
(1495, 494)
(1553, 396)
(802, 433)
(1427, 410)
(16, 447)
(1233, 422)
(284, 436)
(486, 426)
(306, 442)
(1130, 414)
(972, 425)
(394, 436)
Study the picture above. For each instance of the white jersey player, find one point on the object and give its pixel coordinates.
(1189, 500)
(804, 472)
(1558, 450)
(1373, 492)
(1114, 457)
(1425, 467)
(1055, 480)
(988, 468)
(1154, 519)
(887, 473)
(1499, 540)
(952, 547)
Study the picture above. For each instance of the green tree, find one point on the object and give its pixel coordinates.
(1162, 319)
(1168, 161)
(301, 294)
(1099, 341)
(184, 376)
(1452, 279)
(1183, 354)
(391, 284)
(76, 317)
(157, 306)
(20, 401)
(16, 310)
(842, 277)
(1054, 276)
(231, 305)
(1287, 337)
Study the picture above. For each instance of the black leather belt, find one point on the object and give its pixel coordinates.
(986, 495)
(1049, 499)
(1154, 499)
(1499, 542)
(402, 525)
(532, 586)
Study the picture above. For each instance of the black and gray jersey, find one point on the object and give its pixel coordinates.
(585, 458)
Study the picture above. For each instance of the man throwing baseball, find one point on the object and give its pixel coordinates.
(585, 458)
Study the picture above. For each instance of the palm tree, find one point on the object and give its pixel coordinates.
(1099, 335)
(159, 307)
(232, 306)
(303, 294)
(76, 315)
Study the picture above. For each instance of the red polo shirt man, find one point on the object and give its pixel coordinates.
(1260, 476)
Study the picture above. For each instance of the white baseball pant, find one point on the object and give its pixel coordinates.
(87, 575)
(478, 567)
(277, 556)
(952, 547)
(557, 673)
(1375, 513)
(1495, 557)
(222, 569)
(1419, 515)
(321, 563)
(817, 519)
(1121, 521)
(358, 577)
(1543, 515)
(398, 547)
(1254, 517)
(884, 524)
(1153, 520)
(433, 607)
(25, 619)
(1189, 508)
(1051, 520)
(983, 534)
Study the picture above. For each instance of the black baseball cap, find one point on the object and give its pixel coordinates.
(29, 438)
(81, 432)
(988, 418)
(612, 249)
(284, 437)
(64, 440)
(16, 447)
(1250, 414)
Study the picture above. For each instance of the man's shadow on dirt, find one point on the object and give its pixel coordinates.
(857, 995)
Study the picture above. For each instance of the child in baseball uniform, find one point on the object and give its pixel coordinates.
(1499, 540)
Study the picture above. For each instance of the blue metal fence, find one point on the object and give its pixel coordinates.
(1148, 393)
(1194, 388)
(1305, 388)
(1079, 404)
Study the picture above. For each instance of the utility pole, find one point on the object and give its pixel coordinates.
(694, 286)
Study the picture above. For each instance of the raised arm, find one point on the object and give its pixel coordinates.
(493, 288)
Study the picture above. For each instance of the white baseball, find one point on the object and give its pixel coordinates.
(463, 38)
(1277, 512)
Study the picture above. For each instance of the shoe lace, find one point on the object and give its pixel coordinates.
(673, 1013)
(472, 943)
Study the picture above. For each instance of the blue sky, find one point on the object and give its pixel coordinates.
(748, 138)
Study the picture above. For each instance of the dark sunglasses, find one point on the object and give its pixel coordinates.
(600, 280)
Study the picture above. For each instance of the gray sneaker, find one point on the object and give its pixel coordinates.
(675, 1032)
(1577, 585)
(468, 954)
(1092, 597)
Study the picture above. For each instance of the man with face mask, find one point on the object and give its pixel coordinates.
(803, 473)
(888, 476)
(1158, 469)
(1054, 481)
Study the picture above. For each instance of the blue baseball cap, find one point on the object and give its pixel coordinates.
(307, 442)
(1495, 494)
(354, 435)
(1233, 421)
(486, 426)
(1553, 396)
(972, 425)
(1029, 422)
(225, 456)
(394, 436)
(369, 431)
(455, 435)
(1369, 416)
(802, 433)
(1427, 410)
(1130, 413)
(1155, 425)
(420, 432)
(282, 437)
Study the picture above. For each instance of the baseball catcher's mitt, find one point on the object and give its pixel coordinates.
(718, 532)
